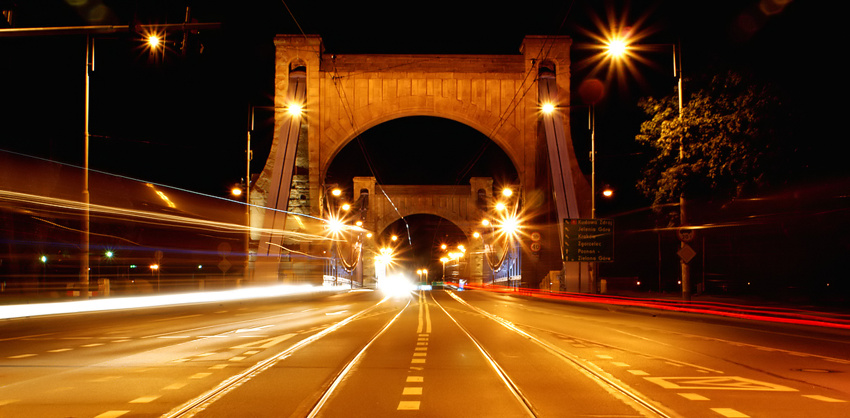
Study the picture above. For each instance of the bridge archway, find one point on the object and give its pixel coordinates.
(422, 150)
(494, 94)
(459, 205)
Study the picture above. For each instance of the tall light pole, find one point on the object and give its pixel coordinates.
(84, 265)
(619, 47)
(88, 31)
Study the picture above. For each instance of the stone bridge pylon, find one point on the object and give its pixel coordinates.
(346, 94)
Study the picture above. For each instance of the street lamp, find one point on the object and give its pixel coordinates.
(618, 48)
(444, 260)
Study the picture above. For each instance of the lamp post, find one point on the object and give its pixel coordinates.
(619, 48)
(444, 260)
(89, 31)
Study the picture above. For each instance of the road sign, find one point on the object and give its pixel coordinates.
(589, 240)
(685, 234)
(686, 253)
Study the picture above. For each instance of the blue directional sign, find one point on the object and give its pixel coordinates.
(589, 240)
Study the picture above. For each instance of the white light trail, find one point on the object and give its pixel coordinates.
(114, 304)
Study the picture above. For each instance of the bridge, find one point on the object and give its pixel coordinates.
(342, 96)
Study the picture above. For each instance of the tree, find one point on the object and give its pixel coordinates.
(731, 139)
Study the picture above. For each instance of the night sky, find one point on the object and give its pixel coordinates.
(181, 121)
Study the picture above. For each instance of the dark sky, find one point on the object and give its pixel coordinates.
(181, 121)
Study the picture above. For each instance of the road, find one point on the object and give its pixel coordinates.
(439, 353)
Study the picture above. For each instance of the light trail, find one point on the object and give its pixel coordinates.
(779, 315)
(116, 304)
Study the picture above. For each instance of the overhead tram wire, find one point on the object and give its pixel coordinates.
(358, 136)
(512, 105)
(350, 114)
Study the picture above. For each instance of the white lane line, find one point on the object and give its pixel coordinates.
(177, 317)
(730, 413)
(145, 399)
(693, 396)
(266, 343)
(823, 398)
(25, 337)
(254, 329)
(22, 356)
(111, 414)
(104, 379)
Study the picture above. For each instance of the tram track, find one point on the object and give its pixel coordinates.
(323, 398)
(635, 399)
(200, 403)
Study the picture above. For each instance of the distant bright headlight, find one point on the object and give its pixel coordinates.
(396, 286)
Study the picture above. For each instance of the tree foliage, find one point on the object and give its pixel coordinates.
(731, 140)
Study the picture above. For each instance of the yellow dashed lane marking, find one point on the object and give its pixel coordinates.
(418, 360)
(59, 350)
(408, 406)
(693, 397)
(145, 399)
(823, 398)
(7, 401)
(111, 414)
(730, 413)
(411, 391)
(175, 386)
(199, 375)
(638, 372)
(415, 379)
(92, 345)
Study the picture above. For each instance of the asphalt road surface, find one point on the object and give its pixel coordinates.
(439, 353)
